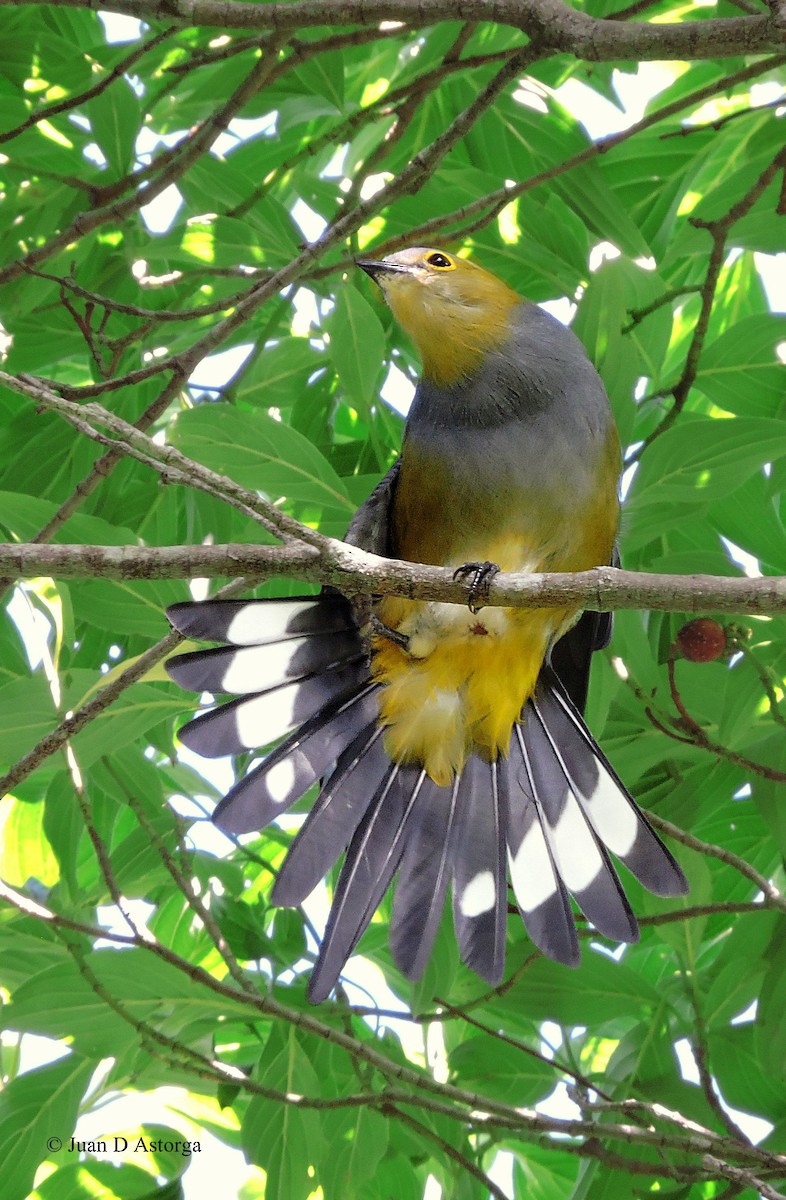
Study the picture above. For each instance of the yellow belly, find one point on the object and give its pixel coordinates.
(466, 692)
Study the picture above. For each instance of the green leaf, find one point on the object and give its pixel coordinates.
(741, 372)
(770, 1032)
(38, 1109)
(278, 234)
(355, 1155)
(280, 1137)
(22, 515)
(146, 988)
(25, 852)
(138, 709)
(541, 1175)
(91, 1178)
(114, 119)
(601, 991)
(700, 460)
(124, 608)
(63, 829)
(27, 712)
(27, 948)
(279, 375)
(504, 1072)
(259, 452)
(321, 76)
(744, 1069)
(357, 347)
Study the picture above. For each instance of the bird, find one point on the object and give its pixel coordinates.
(447, 739)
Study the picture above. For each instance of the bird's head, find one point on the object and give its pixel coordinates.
(454, 310)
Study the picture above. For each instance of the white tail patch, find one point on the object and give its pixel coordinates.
(258, 667)
(578, 859)
(531, 870)
(255, 668)
(279, 781)
(613, 819)
(257, 624)
(479, 896)
(266, 717)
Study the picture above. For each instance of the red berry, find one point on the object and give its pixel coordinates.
(702, 640)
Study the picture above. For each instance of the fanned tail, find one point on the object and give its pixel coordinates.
(260, 622)
(296, 763)
(300, 671)
(610, 809)
(336, 813)
(454, 832)
(298, 664)
(541, 895)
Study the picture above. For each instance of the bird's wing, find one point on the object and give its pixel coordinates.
(369, 529)
(571, 656)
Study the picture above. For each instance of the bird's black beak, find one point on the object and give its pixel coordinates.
(377, 269)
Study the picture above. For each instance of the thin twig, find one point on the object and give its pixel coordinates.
(60, 106)
(443, 1097)
(430, 1135)
(775, 898)
(699, 736)
(719, 231)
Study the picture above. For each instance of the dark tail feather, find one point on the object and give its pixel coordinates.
(241, 671)
(254, 721)
(614, 815)
(426, 868)
(297, 763)
(372, 858)
(337, 811)
(566, 810)
(540, 894)
(480, 908)
(259, 622)
(287, 659)
(580, 857)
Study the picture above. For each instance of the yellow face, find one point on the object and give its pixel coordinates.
(454, 310)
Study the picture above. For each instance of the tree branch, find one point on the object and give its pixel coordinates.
(602, 589)
(166, 460)
(775, 898)
(560, 27)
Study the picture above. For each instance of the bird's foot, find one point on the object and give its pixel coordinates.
(380, 629)
(482, 574)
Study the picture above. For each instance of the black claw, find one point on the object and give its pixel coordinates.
(381, 630)
(482, 574)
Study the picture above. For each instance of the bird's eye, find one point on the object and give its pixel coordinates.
(440, 261)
